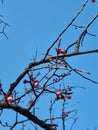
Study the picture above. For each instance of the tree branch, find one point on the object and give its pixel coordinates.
(81, 37)
(74, 18)
(14, 84)
(26, 113)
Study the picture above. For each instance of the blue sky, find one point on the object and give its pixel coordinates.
(34, 25)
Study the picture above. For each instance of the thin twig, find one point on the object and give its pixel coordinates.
(59, 36)
(81, 74)
(81, 37)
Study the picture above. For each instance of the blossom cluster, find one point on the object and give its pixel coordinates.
(34, 82)
(63, 94)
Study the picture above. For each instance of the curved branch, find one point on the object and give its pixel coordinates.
(14, 84)
(74, 18)
(81, 74)
(81, 37)
(25, 112)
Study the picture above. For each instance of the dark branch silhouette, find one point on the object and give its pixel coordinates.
(46, 77)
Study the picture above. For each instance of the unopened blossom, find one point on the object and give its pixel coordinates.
(68, 96)
(35, 83)
(59, 95)
(10, 99)
(93, 1)
(26, 81)
(60, 51)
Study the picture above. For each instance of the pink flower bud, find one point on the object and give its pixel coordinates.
(36, 84)
(93, 1)
(9, 99)
(60, 51)
(58, 93)
(35, 80)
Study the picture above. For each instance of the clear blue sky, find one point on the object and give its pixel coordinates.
(35, 24)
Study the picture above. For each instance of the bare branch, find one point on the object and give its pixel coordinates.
(31, 65)
(4, 24)
(74, 18)
(81, 74)
(81, 37)
(26, 113)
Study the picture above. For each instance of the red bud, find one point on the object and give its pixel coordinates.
(59, 50)
(25, 81)
(93, 1)
(68, 96)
